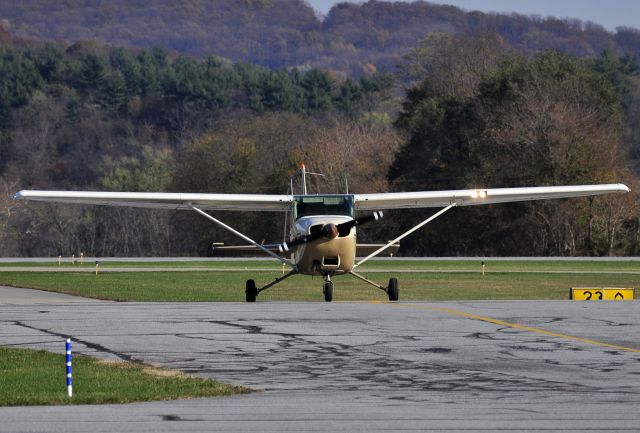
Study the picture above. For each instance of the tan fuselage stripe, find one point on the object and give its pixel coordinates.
(516, 326)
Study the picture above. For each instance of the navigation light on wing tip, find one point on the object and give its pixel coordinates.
(479, 194)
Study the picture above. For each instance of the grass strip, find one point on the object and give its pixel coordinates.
(31, 378)
(207, 286)
(398, 263)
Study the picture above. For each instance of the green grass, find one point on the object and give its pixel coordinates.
(30, 377)
(226, 264)
(517, 280)
(398, 263)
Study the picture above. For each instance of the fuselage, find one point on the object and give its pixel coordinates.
(328, 255)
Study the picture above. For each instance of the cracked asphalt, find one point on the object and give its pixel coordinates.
(454, 366)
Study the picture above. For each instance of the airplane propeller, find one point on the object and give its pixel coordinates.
(329, 231)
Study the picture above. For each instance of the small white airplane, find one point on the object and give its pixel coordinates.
(323, 227)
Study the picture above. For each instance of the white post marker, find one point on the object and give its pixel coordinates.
(69, 383)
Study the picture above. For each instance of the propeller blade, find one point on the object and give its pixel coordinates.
(329, 231)
(360, 221)
(285, 246)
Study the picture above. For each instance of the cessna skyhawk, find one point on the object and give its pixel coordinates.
(323, 227)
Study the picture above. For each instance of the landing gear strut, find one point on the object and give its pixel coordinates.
(393, 290)
(252, 291)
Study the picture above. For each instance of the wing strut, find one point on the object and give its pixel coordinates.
(405, 234)
(246, 238)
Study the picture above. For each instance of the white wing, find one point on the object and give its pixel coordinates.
(265, 202)
(248, 202)
(471, 197)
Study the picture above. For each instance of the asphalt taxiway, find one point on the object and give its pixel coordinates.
(445, 366)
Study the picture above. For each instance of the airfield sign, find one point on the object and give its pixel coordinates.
(601, 294)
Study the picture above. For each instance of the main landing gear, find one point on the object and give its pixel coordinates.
(392, 290)
(251, 291)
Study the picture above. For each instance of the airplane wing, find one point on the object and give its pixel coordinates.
(266, 202)
(248, 202)
(472, 197)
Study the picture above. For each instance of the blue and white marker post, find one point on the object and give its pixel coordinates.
(69, 384)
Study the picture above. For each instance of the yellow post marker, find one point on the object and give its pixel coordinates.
(59, 260)
(97, 266)
(483, 266)
(73, 259)
(81, 258)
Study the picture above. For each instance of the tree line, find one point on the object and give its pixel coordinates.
(95, 117)
(473, 114)
(351, 40)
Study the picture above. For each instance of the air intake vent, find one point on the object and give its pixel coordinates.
(330, 262)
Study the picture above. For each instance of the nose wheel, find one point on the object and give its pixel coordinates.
(327, 289)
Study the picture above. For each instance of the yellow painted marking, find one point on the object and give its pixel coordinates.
(517, 326)
(618, 294)
(587, 294)
(602, 294)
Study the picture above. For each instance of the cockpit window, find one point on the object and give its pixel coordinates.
(324, 205)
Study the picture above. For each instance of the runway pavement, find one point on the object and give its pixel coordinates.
(454, 366)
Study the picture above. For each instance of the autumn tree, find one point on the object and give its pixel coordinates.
(452, 65)
(546, 121)
(239, 155)
(350, 154)
(132, 232)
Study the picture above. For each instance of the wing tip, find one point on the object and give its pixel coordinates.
(623, 188)
(17, 196)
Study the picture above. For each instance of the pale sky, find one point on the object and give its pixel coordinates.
(608, 13)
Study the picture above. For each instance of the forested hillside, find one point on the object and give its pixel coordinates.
(352, 39)
(464, 109)
(91, 117)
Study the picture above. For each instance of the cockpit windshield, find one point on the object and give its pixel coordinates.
(323, 205)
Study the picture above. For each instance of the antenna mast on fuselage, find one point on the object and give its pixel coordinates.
(304, 179)
(304, 173)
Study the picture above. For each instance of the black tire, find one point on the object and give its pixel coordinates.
(251, 291)
(393, 290)
(328, 291)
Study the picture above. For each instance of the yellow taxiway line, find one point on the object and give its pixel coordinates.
(517, 326)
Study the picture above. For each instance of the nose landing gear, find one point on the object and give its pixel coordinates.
(327, 288)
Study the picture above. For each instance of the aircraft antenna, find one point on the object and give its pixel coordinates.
(286, 215)
(304, 179)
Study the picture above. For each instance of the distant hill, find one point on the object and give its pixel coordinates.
(351, 39)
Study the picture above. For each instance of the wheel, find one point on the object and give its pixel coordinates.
(393, 290)
(251, 291)
(328, 291)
